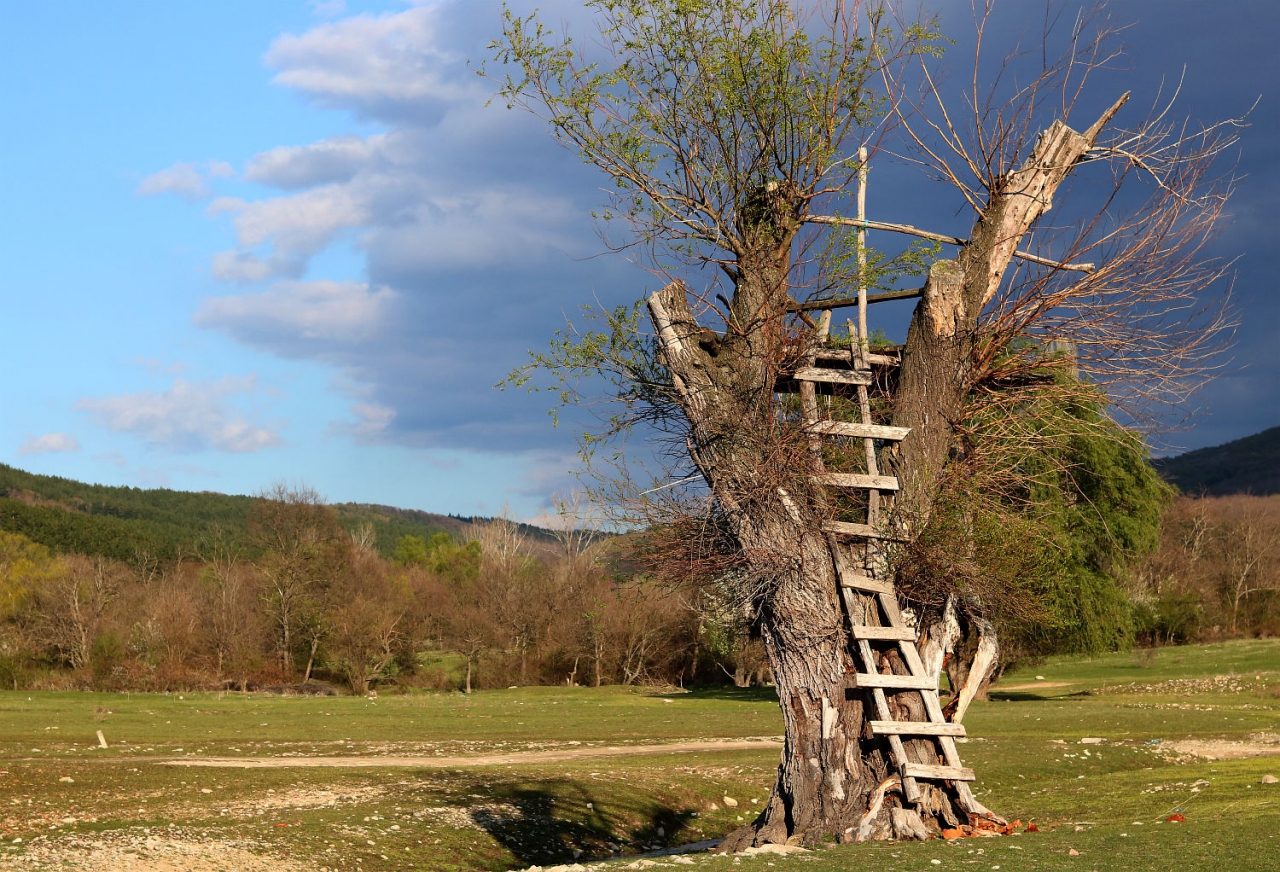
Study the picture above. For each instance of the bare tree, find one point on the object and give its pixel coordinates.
(1249, 539)
(732, 132)
(71, 606)
(298, 537)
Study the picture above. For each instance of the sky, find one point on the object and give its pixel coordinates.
(245, 242)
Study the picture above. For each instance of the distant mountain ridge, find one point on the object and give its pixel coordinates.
(1250, 465)
(127, 523)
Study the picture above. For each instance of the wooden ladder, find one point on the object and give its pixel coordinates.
(884, 626)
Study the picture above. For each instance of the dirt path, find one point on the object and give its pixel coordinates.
(521, 757)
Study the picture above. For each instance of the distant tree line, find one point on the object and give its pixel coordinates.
(295, 594)
(1215, 573)
(298, 598)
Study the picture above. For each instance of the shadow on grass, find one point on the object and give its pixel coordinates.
(735, 694)
(556, 821)
(1030, 696)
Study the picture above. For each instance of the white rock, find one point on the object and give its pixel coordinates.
(775, 849)
(730, 802)
(1269, 779)
(1093, 741)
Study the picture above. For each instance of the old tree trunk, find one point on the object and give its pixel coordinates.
(831, 781)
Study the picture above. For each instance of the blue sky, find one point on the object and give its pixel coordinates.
(249, 241)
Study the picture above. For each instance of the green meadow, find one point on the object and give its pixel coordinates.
(1177, 731)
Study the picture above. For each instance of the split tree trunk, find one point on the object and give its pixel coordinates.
(833, 775)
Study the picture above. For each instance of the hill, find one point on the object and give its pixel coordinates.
(127, 523)
(1249, 465)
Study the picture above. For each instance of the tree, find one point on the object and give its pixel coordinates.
(70, 607)
(299, 538)
(727, 129)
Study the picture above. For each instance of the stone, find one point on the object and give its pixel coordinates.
(1269, 779)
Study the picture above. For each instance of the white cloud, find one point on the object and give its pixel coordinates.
(372, 421)
(366, 62)
(471, 222)
(301, 224)
(336, 159)
(328, 8)
(190, 416)
(50, 443)
(188, 180)
(320, 311)
(245, 267)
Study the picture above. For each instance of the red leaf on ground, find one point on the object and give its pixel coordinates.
(1175, 819)
(1032, 828)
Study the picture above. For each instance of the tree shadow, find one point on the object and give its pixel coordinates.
(555, 821)
(1031, 696)
(734, 694)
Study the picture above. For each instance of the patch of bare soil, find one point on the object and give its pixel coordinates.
(1257, 745)
(143, 851)
(524, 757)
(301, 798)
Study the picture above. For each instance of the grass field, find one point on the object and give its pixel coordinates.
(66, 803)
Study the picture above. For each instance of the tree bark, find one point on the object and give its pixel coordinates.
(834, 775)
(828, 770)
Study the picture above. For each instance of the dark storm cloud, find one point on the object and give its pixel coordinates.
(474, 230)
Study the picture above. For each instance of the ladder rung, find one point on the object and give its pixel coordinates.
(870, 585)
(915, 728)
(938, 773)
(884, 634)
(864, 530)
(849, 479)
(835, 376)
(844, 355)
(859, 431)
(894, 682)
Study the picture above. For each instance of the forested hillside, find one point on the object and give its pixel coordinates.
(127, 523)
(1246, 466)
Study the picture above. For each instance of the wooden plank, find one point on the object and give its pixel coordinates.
(844, 356)
(897, 751)
(859, 431)
(915, 728)
(866, 531)
(892, 682)
(867, 585)
(866, 482)
(884, 634)
(939, 773)
(832, 376)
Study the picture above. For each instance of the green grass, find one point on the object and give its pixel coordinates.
(229, 724)
(1107, 801)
